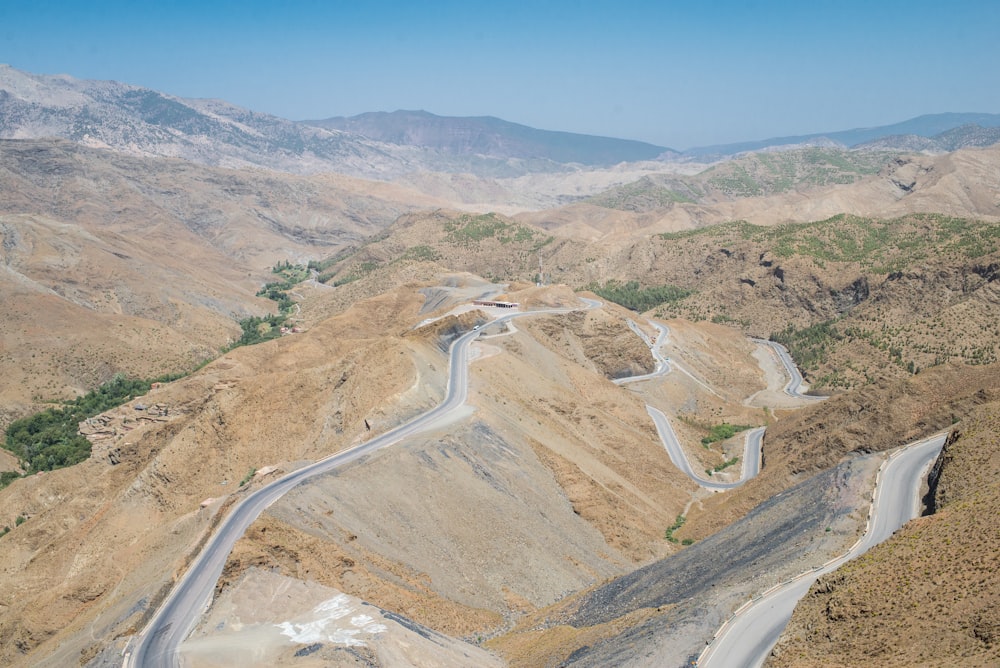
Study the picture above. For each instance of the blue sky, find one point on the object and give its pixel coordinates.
(674, 73)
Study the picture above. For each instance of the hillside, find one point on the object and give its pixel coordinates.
(139, 121)
(115, 263)
(800, 510)
(806, 185)
(856, 299)
(927, 126)
(928, 596)
(752, 175)
(963, 136)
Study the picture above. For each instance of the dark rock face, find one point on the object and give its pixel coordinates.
(789, 526)
(857, 292)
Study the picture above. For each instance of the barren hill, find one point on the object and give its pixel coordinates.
(114, 263)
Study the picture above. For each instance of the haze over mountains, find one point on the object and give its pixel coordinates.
(545, 524)
(375, 145)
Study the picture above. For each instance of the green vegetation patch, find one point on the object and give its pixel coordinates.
(468, 229)
(639, 299)
(258, 329)
(420, 254)
(721, 467)
(51, 439)
(277, 291)
(808, 346)
(882, 246)
(721, 432)
(641, 196)
(669, 533)
(776, 172)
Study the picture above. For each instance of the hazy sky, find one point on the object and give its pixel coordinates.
(675, 73)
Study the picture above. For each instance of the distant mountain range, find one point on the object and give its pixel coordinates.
(140, 121)
(486, 135)
(929, 126)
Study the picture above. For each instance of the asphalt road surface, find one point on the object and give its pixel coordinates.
(751, 453)
(157, 644)
(795, 377)
(754, 437)
(747, 639)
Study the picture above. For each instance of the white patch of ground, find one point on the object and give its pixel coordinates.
(266, 619)
(328, 625)
(481, 351)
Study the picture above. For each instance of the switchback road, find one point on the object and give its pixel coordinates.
(754, 437)
(751, 453)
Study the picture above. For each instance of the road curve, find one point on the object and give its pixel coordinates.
(157, 644)
(754, 437)
(794, 375)
(746, 640)
(662, 363)
(751, 453)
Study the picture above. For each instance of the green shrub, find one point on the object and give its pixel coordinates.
(248, 477)
(51, 440)
(669, 533)
(632, 296)
(721, 432)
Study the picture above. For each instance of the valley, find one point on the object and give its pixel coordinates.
(713, 364)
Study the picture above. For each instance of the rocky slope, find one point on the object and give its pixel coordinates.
(857, 299)
(139, 121)
(818, 471)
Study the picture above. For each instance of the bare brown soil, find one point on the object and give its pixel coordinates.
(102, 539)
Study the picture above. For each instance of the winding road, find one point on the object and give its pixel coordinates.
(795, 376)
(746, 640)
(158, 643)
(754, 437)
